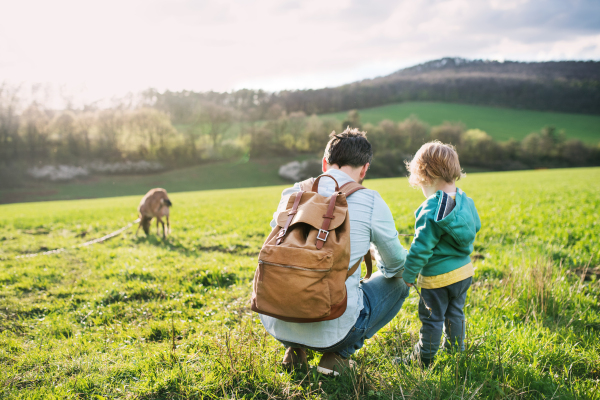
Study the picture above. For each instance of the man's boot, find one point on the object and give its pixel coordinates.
(332, 363)
(294, 357)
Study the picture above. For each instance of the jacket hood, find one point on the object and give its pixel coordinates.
(457, 217)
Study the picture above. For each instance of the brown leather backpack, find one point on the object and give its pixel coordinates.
(303, 264)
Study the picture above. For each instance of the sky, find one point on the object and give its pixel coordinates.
(91, 50)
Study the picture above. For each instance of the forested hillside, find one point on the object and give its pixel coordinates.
(564, 86)
(169, 130)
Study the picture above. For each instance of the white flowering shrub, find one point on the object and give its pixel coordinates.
(126, 166)
(58, 173)
(69, 172)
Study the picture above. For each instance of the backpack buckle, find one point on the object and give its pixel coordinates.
(324, 232)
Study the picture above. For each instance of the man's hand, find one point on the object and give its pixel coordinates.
(409, 284)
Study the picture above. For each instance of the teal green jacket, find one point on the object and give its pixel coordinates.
(445, 230)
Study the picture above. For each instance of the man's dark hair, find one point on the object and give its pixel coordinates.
(350, 147)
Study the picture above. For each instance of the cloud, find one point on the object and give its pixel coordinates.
(113, 47)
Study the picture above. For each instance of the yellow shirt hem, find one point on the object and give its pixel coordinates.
(447, 279)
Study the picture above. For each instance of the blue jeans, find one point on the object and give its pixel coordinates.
(383, 298)
(446, 316)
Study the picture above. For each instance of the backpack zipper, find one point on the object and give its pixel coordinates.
(293, 266)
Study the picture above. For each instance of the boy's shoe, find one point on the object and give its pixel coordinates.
(334, 364)
(294, 356)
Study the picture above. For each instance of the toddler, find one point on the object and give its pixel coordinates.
(445, 228)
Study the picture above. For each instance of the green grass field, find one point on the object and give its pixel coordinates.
(146, 318)
(218, 175)
(501, 123)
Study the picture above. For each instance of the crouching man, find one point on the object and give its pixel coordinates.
(371, 304)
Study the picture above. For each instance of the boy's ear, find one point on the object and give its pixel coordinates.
(324, 165)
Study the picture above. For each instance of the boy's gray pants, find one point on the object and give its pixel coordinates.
(447, 316)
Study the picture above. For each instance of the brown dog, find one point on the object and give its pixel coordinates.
(155, 204)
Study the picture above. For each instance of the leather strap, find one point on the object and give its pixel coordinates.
(352, 270)
(326, 222)
(350, 187)
(368, 263)
(282, 232)
(315, 187)
(324, 231)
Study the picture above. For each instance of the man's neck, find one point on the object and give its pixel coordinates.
(353, 173)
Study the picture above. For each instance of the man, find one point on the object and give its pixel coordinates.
(371, 304)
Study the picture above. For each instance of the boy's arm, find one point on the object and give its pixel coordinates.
(390, 254)
(427, 236)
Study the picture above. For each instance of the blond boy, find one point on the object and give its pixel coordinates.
(445, 229)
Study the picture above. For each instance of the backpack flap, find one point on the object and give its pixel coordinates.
(311, 211)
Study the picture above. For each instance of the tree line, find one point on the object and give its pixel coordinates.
(36, 136)
(395, 143)
(564, 86)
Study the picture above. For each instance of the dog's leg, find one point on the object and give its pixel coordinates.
(159, 220)
(168, 226)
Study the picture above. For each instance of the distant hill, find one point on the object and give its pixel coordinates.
(564, 86)
(561, 86)
(448, 68)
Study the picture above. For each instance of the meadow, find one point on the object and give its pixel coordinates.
(216, 175)
(500, 123)
(141, 317)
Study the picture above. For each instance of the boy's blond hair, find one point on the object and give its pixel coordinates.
(434, 160)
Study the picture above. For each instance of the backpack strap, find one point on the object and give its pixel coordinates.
(351, 187)
(282, 232)
(315, 187)
(347, 188)
(368, 263)
(324, 231)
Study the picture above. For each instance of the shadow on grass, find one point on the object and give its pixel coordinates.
(175, 245)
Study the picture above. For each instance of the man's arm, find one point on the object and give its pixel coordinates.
(390, 254)
(427, 236)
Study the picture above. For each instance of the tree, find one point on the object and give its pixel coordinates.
(109, 126)
(84, 124)
(63, 136)
(9, 123)
(448, 132)
(34, 123)
(574, 152)
(216, 119)
(416, 131)
(352, 120)
(152, 128)
(476, 148)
